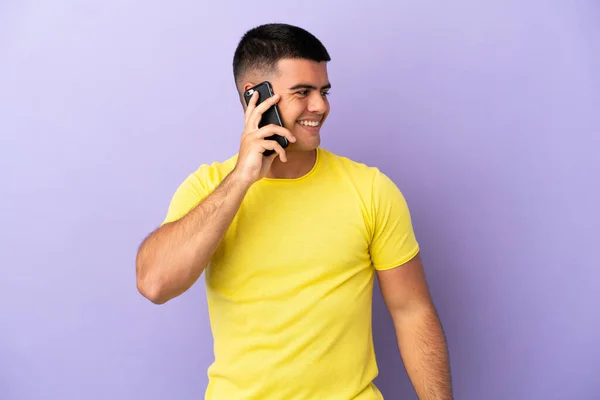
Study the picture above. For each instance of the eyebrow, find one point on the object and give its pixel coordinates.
(309, 86)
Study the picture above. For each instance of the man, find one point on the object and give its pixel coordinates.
(290, 244)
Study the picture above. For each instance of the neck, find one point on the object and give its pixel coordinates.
(298, 164)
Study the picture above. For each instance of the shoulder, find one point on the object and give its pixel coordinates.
(196, 186)
(208, 176)
(376, 189)
(361, 174)
(344, 164)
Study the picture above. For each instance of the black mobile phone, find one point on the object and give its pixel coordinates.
(270, 116)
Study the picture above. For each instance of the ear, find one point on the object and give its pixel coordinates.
(247, 86)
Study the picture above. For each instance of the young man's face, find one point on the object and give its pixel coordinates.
(303, 86)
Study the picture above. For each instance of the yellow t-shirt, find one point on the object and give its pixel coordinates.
(289, 289)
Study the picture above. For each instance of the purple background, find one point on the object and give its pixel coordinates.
(486, 114)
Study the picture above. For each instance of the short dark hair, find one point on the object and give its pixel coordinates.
(263, 46)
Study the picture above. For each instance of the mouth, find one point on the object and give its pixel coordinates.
(310, 124)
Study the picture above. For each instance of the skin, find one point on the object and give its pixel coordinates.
(419, 333)
(301, 88)
(173, 257)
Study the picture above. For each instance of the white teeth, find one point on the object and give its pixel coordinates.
(309, 123)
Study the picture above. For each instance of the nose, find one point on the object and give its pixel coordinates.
(317, 104)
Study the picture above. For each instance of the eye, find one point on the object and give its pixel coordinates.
(302, 92)
(326, 93)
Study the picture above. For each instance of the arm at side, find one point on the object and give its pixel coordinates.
(421, 340)
(172, 258)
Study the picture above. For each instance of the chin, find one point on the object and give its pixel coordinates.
(304, 145)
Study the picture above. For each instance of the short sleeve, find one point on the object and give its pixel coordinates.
(187, 196)
(393, 240)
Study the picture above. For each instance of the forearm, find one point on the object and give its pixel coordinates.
(425, 354)
(173, 257)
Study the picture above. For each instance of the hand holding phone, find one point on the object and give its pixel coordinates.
(270, 116)
(264, 136)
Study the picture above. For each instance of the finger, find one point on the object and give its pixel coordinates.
(258, 111)
(251, 106)
(271, 129)
(273, 145)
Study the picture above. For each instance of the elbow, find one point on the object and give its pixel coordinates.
(152, 292)
(149, 286)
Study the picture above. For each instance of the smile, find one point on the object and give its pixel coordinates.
(309, 123)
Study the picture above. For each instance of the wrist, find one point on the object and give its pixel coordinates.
(238, 181)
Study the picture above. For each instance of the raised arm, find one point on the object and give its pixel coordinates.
(172, 257)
